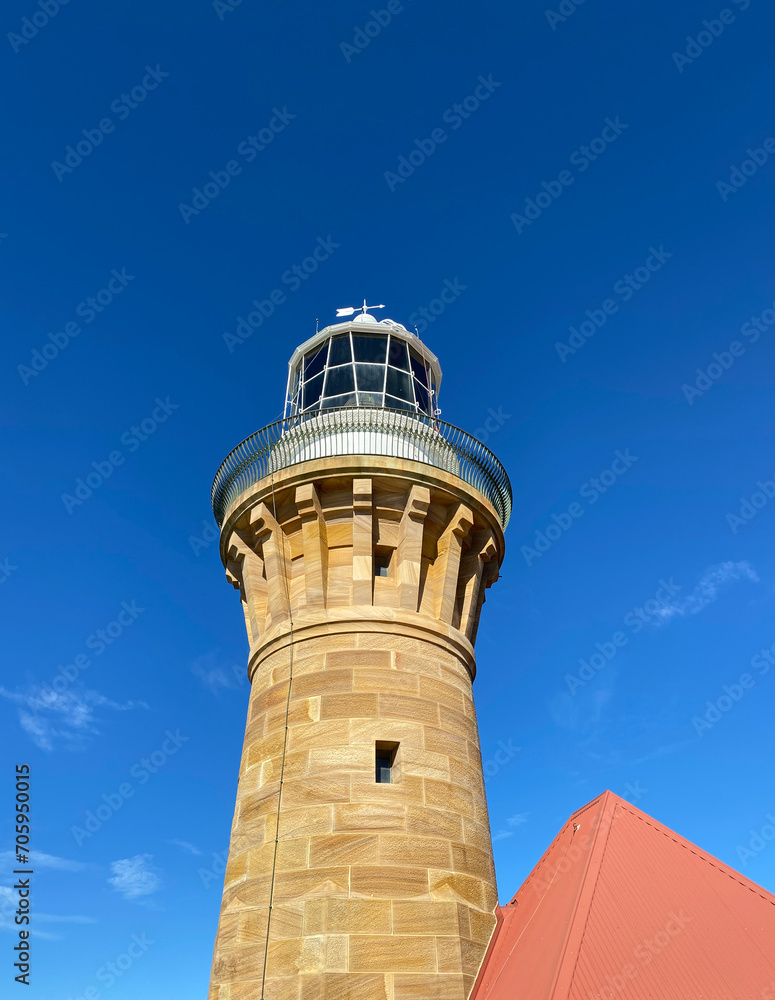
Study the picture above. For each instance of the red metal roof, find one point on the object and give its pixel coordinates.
(622, 908)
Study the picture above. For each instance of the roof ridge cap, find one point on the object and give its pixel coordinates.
(564, 975)
(542, 861)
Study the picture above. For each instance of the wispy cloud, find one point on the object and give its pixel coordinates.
(9, 901)
(215, 675)
(712, 582)
(134, 877)
(583, 712)
(513, 821)
(619, 758)
(185, 846)
(40, 860)
(666, 750)
(66, 718)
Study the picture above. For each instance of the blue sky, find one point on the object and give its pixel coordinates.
(658, 239)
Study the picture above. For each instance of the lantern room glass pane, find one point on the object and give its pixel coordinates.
(340, 350)
(399, 384)
(315, 361)
(422, 396)
(372, 349)
(398, 355)
(330, 401)
(370, 378)
(339, 380)
(312, 390)
(370, 399)
(399, 404)
(418, 369)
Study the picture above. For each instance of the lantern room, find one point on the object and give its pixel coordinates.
(364, 362)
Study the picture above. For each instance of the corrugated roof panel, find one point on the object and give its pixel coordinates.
(622, 908)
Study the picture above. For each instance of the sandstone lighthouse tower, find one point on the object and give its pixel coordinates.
(361, 533)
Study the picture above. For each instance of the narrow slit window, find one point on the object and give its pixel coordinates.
(385, 754)
(382, 563)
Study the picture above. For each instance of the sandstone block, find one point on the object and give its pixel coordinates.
(388, 882)
(442, 692)
(458, 722)
(369, 816)
(459, 887)
(467, 776)
(349, 986)
(444, 742)
(238, 963)
(482, 926)
(394, 953)
(337, 952)
(252, 927)
(424, 822)
(296, 766)
(396, 706)
(320, 734)
(344, 849)
(287, 921)
(343, 759)
(313, 954)
(303, 822)
(262, 700)
(448, 954)
(308, 884)
(281, 989)
(472, 954)
(425, 764)
(265, 748)
(445, 987)
(313, 791)
(347, 916)
(385, 680)
(236, 868)
(477, 835)
(423, 916)
(322, 682)
(480, 811)
(451, 797)
(380, 639)
(472, 861)
(425, 664)
(253, 808)
(228, 929)
(349, 706)
(361, 657)
(290, 854)
(301, 712)
(426, 852)
(408, 734)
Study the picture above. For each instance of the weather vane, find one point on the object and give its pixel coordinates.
(352, 309)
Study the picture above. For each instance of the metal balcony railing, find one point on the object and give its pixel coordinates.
(361, 431)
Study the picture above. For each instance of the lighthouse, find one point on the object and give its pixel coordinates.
(361, 533)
